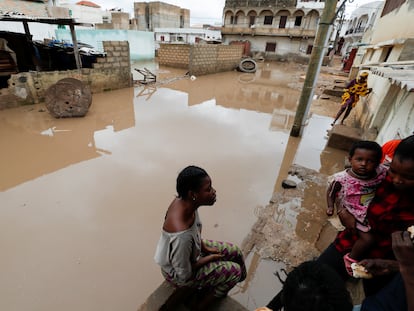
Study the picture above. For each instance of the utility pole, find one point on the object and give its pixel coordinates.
(315, 62)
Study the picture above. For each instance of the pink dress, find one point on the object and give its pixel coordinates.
(356, 194)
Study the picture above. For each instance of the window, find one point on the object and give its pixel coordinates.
(298, 20)
(162, 38)
(386, 51)
(268, 20)
(370, 53)
(282, 23)
(391, 5)
(270, 47)
(233, 20)
(252, 20)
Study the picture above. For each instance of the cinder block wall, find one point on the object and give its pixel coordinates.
(174, 55)
(200, 59)
(109, 73)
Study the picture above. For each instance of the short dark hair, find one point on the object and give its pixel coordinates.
(313, 286)
(405, 149)
(367, 145)
(190, 179)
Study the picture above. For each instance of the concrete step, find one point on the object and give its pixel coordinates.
(342, 136)
(165, 290)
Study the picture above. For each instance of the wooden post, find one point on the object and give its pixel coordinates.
(315, 63)
(75, 47)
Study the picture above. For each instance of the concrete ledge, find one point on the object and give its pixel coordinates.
(165, 290)
(342, 137)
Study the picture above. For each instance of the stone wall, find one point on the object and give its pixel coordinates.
(109, 73)
(200, 59)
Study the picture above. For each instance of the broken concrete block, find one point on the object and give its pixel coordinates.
(67, 98)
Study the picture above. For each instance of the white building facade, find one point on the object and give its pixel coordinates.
(272, 27)
(389, 56)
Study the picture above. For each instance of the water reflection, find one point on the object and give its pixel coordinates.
(33, 143)
(83, 199)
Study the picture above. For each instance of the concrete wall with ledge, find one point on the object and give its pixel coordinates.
(200, 59)
(109, 73)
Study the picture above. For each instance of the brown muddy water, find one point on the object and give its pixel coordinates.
(82, 200)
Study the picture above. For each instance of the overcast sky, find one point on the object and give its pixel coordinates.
(201, 11)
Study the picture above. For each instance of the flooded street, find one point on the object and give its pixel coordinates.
(82, 200)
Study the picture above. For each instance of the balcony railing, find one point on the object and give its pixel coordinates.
(268, 31)
(358, 30)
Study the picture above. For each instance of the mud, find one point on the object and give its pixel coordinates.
(83, 199)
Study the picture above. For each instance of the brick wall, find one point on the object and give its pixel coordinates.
(109, 73)
(200, 59)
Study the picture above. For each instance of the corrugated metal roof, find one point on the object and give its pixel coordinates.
(44, 20)
(402, 76)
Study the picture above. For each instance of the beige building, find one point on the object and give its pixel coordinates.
(274, 27)
(389, 57)
(151, 15)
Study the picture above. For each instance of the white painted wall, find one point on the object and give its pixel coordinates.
(400, 121)
(141, 43)
(189, 35)
(283, 45)
(37, 30)
(395, 25)
(310, 4)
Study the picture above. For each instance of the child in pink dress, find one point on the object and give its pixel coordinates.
(353, 190)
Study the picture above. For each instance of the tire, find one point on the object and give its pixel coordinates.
(248, 65)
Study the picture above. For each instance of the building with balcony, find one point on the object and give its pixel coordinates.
(186, 35)
(272, 27)
(361, 21)
(389, 57)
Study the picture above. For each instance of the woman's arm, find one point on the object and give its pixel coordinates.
(206, 259)
(403, 248)
(380, 266)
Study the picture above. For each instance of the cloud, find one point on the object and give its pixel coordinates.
(211, 12)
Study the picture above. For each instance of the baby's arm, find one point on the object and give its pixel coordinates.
(333, 189)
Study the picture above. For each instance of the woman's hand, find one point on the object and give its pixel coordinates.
(210, 250)
(404, 252)
(206, 259)
(347, 219)
(379, 267)
(403, 248)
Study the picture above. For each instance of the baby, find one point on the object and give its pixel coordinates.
(353, 190)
